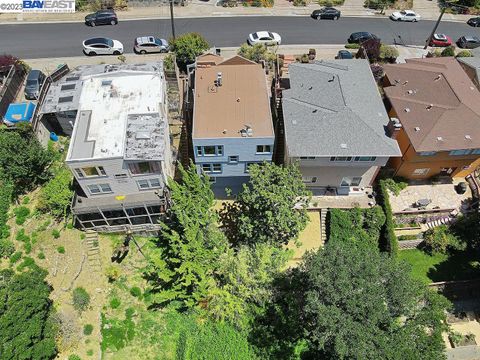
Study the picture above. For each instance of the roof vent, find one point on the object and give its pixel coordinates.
(310, 88)
(439, 76)
(410, 92)
(397, 81)
(224, 131)
(314, 111)
(332, 79)
(417, 128)
(439, 138)
(141, 135)
(238, 99)
(343, 146)
(407, 110)
(472, 88)
(429, 106)
(106, 82)
(468, 137)
(219, 79)
(405, 82)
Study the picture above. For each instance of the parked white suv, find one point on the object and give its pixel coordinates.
(102, 46)
(150, 44)
(405, 15)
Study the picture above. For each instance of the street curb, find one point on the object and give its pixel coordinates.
(372, 16)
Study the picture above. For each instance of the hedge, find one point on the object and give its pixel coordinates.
(388, 239)
(6, 194)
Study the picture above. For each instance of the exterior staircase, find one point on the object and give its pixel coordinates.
(443, 221)
(323, 226)
(93, 250)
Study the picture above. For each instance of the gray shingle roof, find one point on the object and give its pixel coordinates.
(333, 108)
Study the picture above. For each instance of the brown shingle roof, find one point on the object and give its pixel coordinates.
(242, 99)
(436, 103)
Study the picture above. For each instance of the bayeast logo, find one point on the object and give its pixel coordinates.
(60, 6)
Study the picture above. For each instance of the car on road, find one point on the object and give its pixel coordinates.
(440, 40)
(264, 37)
(359, 37)
(475, 22)
(35, 80)
(468, 42)
(101, 17)
(326, 13)
(102, 46)
(405, 15)
(150, 44)
(344, 54)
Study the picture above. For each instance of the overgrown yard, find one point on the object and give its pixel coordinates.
(441, 267)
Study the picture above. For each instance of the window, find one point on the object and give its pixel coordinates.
(475, 152)
(341, 158)
(233, 159)
(264, 149)
(309, 179)
(99, 189)
(427, 153)
(91, 171)
(145, 167)
(210, 150)
(365, 158)
(212, 180)
(351, 181)
(460, 152)
(120, 176)
(423, 171)
(212, 168)
(307, 157)
(148, 184)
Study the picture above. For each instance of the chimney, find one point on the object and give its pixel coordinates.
(394, 127)
(219, 79)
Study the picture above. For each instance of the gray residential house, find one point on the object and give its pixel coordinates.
(335, 126)
(232, 120)
(120, 150)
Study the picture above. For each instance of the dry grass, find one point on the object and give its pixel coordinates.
(309, 239)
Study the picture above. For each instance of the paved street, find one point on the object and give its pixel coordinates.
(65, 39)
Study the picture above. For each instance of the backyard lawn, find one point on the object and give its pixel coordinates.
(440, 267)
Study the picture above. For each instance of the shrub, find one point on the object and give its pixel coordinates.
(81, 299)
(26, 200)
(56, 195)
(388, 52)
(112, 273)
(55, 233)
(439, 240)
(465, 53)
(169, 62)
(15, 257)
(74, 357)
(257, 53)
(82, 236)
(352, 46)
(21, 236)
(395, 185)
(41, 255)
(135, 291)
(27, 247)
(88, 329)
(448, 51)
(389, 241)
(6, 193)
(61, 250)
(407, 237)
(115, 303)
(377, 71)
(89, 352)
(21, 214)
(7, 248)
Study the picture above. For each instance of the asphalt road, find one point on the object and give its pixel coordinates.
(65, 39)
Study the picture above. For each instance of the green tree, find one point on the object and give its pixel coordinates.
(440, 240)
(271, 208)
(188, 46)
(361, 304)
(22, 159)
(468, 231)
(56, 195)
(187, 252)
(256, 52)
(26, 331)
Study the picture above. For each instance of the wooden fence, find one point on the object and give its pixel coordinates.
(11, 86)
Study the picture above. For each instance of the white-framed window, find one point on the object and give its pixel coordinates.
(427, 153)
(99, 189)
(309, 179)
(120, 176)
(233, 159)
(460, 152)
(145, 184)
(210, 150)
(422, 171)
(264, 149)
(307, 157)
(90, 171)
(351, 181)
(341, 158)
(365, 158)
(144, 167)
(211, 168)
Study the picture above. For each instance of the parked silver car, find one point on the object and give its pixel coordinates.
(150, 44)
(35, 80)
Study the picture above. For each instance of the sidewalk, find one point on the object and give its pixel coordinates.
(426, 8)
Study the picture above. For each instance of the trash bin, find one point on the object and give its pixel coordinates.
(461, 188)
(53, 136)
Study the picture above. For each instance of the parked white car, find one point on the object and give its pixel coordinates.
(405, 15)
(102, 46)
(264, 37)
(150, 44)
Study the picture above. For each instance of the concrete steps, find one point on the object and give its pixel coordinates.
(443, 221)
(323, 226)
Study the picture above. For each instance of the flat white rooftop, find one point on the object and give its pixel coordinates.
(106, 106)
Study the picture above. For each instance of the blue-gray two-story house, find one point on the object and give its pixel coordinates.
(232, 121)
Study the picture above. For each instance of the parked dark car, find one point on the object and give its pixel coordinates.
(326, 13)
(475, 22)
(35, 80)
(344, 54)
(102, 17)
(359, 37)
(468, 42)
